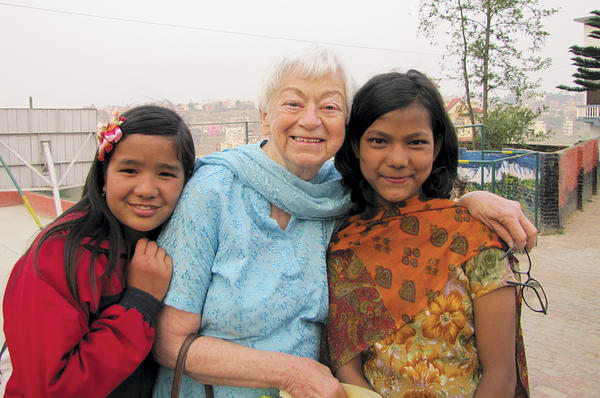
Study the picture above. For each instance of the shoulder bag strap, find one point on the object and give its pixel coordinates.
(183, 351)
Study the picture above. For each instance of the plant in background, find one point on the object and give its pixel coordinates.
(511, 124)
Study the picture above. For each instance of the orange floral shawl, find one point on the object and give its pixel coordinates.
(384, 270)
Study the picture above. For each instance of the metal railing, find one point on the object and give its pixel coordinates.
(216, 136)
(482, 141)
(245, 123)
(512, 183)
(588, 111)
(55, 179)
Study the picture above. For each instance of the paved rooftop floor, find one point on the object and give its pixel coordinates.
(17, 231)
(562, 347)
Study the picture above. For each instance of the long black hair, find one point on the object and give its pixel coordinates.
(385, 93)
(90, 223)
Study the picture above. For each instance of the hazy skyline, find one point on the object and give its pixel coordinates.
(93, 52)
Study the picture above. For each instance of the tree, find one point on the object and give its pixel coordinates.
(508, 123)
(587, 60)
(486, 44)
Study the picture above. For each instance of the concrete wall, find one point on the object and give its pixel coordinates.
(69, 132)
(569, 178)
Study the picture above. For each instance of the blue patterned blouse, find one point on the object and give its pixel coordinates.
(253, 283)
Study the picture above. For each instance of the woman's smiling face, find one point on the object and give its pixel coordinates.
(306, 123)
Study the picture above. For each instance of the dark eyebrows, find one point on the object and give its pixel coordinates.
(411, 136)
(162, 166)
(128, 162)
(170, 166)
(419, 134)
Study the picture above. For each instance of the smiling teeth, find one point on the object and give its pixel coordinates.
(312, 140)
(144, 207)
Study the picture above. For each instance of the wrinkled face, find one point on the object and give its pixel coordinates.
(143, 181)
(306, 123)
(396, 153)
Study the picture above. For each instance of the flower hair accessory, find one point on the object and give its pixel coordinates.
(109, 135)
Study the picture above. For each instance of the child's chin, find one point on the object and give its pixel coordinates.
(394, 200)
(138, 232)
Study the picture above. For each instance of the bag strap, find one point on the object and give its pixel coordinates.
(4, 347)
(180, 364)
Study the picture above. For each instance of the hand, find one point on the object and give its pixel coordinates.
(311, 379)
(150, 269)
(502, 215)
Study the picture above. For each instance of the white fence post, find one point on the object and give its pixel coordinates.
(52, 172)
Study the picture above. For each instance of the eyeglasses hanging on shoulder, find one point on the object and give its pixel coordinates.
(531, 290)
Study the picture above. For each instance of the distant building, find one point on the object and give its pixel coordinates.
(590, 113)
(540, 125)
(213, 130)
(234, 137)
(458, 110)
(182, 108)
(568, 127)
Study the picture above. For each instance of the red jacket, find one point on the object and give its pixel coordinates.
(62, 348)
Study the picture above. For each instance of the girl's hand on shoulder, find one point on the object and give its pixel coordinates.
(150, 269)
(311, 379)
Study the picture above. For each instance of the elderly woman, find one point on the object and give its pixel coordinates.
(248, 242)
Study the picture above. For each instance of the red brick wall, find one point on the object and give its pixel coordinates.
(569, 164)
(590, 155)
(577, 171)
(569, 178)
(589, 177)
(42, 205)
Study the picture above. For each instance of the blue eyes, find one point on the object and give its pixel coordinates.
(328, 107)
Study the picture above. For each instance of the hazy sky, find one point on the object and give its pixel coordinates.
(195, 50)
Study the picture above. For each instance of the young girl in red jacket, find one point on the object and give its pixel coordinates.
(80, 304)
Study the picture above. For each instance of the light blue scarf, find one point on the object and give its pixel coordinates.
(321, 198)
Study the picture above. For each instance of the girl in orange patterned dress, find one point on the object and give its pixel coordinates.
(421, 301)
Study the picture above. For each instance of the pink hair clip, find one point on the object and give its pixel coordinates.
(109, 135)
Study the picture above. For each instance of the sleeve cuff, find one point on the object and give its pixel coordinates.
(144, 302)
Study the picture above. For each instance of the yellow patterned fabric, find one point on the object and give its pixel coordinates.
(435, 355)
(401, 290)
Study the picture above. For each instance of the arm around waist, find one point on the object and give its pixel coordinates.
(216, 361)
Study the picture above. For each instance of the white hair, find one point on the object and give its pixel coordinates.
(310, 63)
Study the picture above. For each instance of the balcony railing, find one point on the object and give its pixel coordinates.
(588, 113)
